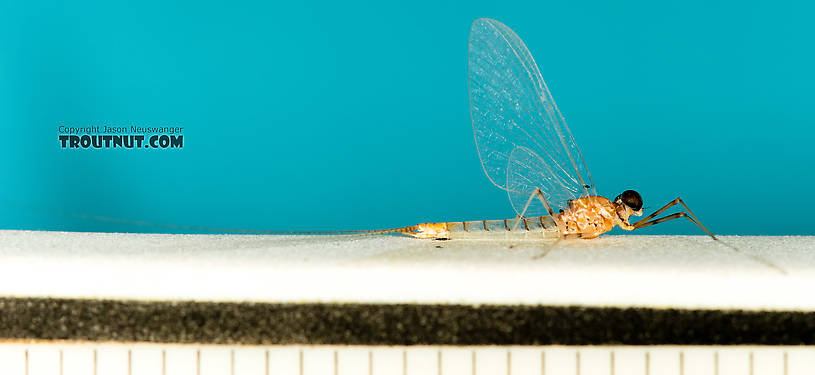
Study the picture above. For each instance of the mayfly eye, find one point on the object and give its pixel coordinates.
(632, 199)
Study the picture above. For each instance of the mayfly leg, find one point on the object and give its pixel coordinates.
(539, 194)
(526, 206)
(646, 223)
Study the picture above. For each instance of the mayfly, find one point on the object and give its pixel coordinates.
(527, 150)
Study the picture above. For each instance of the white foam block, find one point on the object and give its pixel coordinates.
(776, 273)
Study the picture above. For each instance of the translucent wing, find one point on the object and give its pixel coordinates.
(527, 171)
(522, 138)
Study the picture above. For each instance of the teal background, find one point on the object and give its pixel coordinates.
(354, 115)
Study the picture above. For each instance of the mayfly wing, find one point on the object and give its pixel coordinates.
(527, 171)
(514, 113)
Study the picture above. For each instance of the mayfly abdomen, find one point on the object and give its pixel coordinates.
(533, 227)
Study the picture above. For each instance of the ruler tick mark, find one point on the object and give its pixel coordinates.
(543, 362)
(785, 363)
(438, 357)
(751, 363)
(716, 362)
(611, 363)
(577, 362)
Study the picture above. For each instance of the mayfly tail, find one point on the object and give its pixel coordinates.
(363, 232)
(196, 228)
(207, 229)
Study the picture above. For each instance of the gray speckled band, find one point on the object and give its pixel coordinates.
(392, 324)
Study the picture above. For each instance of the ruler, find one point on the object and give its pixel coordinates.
(84, 303)
(169, 359)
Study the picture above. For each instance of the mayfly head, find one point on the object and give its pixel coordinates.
(629, 203)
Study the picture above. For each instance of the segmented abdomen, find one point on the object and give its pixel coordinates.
(531, 227)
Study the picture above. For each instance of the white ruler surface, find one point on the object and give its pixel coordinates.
(650, 271)
(157, 359)
(684, 272)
